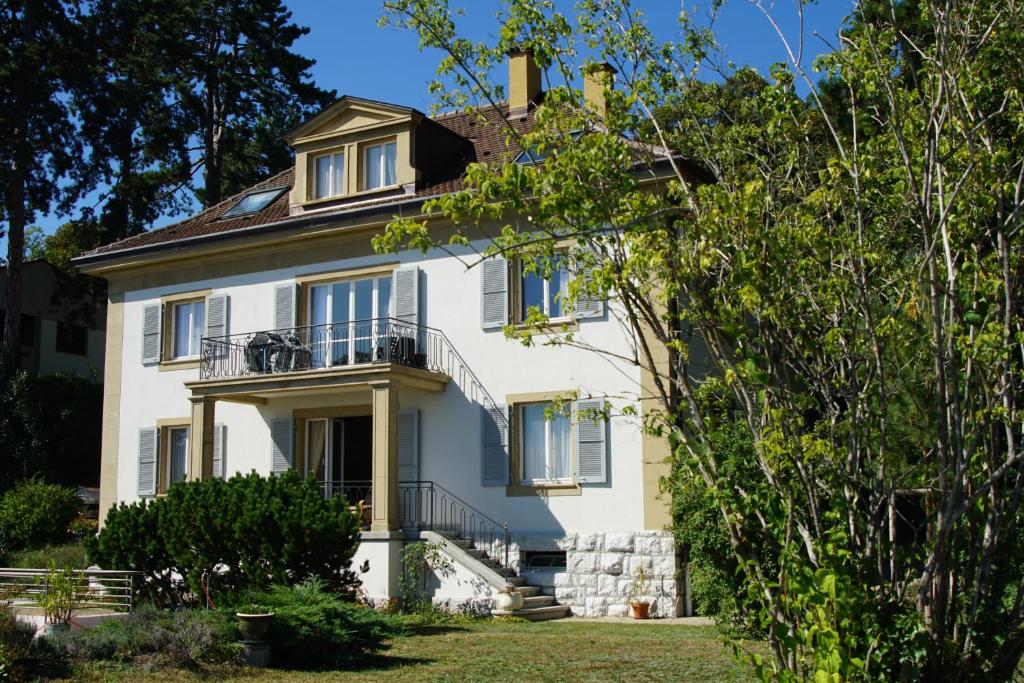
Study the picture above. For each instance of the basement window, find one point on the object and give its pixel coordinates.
(547, 560)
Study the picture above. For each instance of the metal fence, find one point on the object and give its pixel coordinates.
(317, 347)
(93, 588)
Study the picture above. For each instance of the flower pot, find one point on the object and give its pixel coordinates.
(641, 610)
(254, 626)
(509, 602)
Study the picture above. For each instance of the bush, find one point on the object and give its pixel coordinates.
(15, 644)
(177, 639)
(316, 629)
(247, 533)
(34, 514)
(67, 555)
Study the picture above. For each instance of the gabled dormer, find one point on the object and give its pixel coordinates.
(360, 150)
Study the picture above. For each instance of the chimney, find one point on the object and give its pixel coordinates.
(596, 78)
(523, 80)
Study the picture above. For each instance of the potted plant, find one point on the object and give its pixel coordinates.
(509, 599)
(254, 622)
(638, 605)
(59, 598)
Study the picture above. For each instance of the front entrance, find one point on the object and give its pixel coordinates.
(339, 454)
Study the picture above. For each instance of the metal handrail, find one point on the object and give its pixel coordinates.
(318, 347)
(94, 588)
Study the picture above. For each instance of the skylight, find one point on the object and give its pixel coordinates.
(253, 202)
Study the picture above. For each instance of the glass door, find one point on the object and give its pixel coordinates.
(347, 319)
(317, 461)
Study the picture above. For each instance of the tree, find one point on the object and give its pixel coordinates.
(851, 280)
(38, 147)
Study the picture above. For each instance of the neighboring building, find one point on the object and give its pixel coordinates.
(264, 333)
(53, 340)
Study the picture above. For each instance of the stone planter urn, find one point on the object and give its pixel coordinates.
(254, 627)
(50, 629)
(508, 600)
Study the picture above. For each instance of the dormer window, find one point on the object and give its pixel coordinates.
(379, 166)
(330, 175)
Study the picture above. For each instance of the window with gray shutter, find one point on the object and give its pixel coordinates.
(148, 438)
(493, 446)
(588, 306)
(152, 322)
(285, 306)
(407, 295)
(494, 293)
(591, 443)
(280, 445)
(216, 316)
(219, 434)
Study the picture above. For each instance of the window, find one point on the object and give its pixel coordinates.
(177, 455)
(379, 166)
(72, 338)
(545, 294)
(544, 560)
(253, 202)
(187, 320)
(330, 175)
(544, 444)
(346, 318)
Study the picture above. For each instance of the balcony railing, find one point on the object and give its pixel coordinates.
(318, 347)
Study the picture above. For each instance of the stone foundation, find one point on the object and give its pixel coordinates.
(601, 568)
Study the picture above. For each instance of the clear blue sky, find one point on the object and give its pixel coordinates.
(355, 57)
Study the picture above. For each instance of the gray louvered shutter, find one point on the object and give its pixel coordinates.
(406, 288)
(219, 434)
(280, 445)
(152, 322)
(494, 293)
(216, 316)
(591, 445)
(408, 467)
(493, 446)
(286, 298)
(587, 306)
(147, 461)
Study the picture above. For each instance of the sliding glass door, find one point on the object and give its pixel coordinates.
(346, 317)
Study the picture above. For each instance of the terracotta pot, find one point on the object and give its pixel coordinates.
(641, 610)
(508, 602)
(254, 627)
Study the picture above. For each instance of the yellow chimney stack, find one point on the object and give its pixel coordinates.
(523, 80)
(596, 78)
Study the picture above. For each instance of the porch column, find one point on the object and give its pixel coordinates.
(200, 456)
(385, 458)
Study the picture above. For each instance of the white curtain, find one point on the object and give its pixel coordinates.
(389, 163)
(374, 157)
(179, 454)
(534, 460)
(316, 449)
(323, 177)
(338, 174)
(559, 447)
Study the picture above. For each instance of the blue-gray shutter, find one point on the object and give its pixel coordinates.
(494, 293)
(216, 326)
(591, 443)
(219, 434)
(286, 305)
(152, 322)
(587, 306)
(493, 446)
(148, 438)
(280, 445)
(409, 502)
(406, 292)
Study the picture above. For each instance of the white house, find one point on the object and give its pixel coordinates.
(265, 333)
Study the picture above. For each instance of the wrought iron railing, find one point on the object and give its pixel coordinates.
(425, 505)
(93, 588)
(317, 347)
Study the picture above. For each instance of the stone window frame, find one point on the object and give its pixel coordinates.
(516, 487)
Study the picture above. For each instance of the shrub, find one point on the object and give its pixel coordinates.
(177, 639)
(316, 629)
(247, 533)
(67, 555)
(35, 513)
(15, 644)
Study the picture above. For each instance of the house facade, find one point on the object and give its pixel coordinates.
(266, 334)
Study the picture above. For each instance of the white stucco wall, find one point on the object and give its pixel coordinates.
(449, 422)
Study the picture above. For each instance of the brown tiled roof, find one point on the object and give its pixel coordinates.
(483, 128)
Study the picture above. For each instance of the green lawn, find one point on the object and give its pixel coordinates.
(485, 651)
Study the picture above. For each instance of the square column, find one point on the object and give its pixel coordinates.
(385, 458)
(200, 438)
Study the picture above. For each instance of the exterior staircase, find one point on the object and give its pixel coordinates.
(536, 607)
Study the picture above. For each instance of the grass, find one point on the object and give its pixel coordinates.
(567, 651)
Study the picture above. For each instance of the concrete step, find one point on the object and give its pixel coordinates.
(517, 580)
(538, 601)
(528, 591)
(536, 613)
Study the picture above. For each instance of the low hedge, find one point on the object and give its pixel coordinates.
(35, 514)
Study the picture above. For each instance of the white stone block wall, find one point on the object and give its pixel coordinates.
(601, 569)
